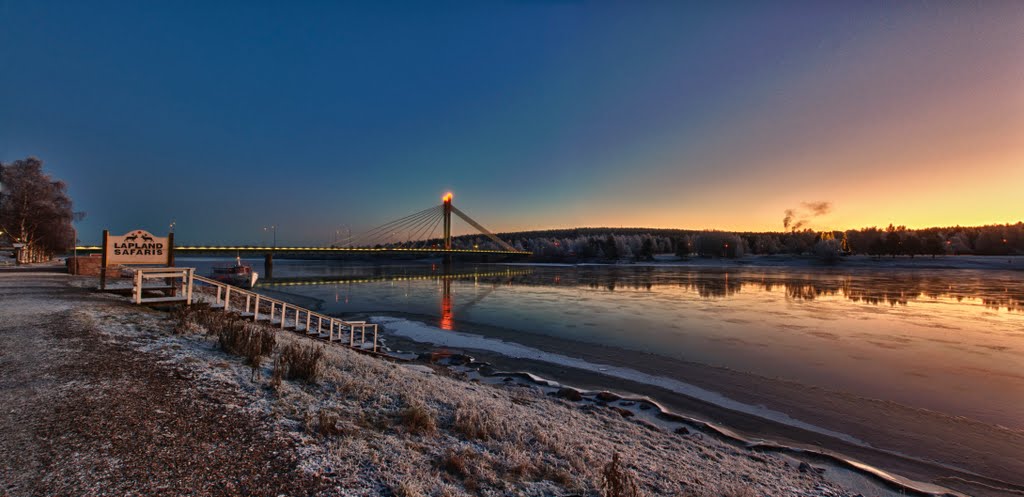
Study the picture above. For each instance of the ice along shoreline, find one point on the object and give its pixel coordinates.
(758, 425)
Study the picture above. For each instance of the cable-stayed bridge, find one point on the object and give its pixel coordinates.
(418, 230)
(427, 232)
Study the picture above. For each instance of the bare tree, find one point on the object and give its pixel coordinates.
(35, 210)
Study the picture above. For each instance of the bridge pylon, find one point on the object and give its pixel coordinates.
(447, 204)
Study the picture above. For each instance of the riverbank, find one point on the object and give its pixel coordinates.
(926, 446)
(102, 395)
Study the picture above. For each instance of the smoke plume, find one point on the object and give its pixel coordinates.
(818, 208)
(799, 217)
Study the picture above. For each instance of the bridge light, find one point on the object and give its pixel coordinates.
(447, 198)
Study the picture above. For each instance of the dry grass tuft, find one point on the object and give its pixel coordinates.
(738, 490)
(455, 462)
(408, 488)
(469, 467)
(478, 423)
(325, 423)
(235, 335)
(418, 419)
(247, 339)
(189, 319)
(298, 362)
(722, 490)
(558, 475)
(617, 481)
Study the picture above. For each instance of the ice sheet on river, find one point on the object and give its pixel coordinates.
(423, 333)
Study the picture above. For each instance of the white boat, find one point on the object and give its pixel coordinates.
(240, 275)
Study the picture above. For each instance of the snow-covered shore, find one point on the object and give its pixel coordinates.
(351, 432)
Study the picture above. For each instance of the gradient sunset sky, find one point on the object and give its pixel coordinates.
(318, 115)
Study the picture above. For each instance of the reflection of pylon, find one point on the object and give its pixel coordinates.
(446, 305)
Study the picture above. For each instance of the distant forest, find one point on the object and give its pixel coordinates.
(641, 244)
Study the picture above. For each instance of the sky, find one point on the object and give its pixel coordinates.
(321, 116)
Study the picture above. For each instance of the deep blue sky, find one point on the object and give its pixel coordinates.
(314, 115)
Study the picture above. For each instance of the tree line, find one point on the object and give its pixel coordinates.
(639, 244)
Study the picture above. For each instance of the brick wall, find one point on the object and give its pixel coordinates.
(85, 266)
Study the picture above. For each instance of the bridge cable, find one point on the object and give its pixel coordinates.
(483, 230)
(409, 229)
(431, 222)
(433, 229)
(388, 225)
(418, 230)
(383, 233)
(378, 233)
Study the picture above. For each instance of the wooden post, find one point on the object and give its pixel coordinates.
(256, 309)
(170, 257)
(271, 312)
(308, 318)
(103, 262)
(227, 297)
(188, 291)
(137, 287)
(374, 338)
(351, 335)
(284, 312)
(247, 297)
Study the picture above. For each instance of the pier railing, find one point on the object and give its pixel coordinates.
(249, 304)
(287, 316)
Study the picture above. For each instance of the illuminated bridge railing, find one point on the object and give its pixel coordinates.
(302, 281)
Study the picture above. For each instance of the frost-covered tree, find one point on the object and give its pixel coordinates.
(35, 210)
(828, 250)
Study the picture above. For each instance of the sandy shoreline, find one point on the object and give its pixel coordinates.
(922, 445)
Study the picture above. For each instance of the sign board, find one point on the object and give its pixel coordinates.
(137, 247)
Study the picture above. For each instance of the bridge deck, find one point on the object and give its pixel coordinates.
(338, 250)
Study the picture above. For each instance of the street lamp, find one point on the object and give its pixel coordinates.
(273, 228)
(174, 223)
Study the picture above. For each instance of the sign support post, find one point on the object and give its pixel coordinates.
(170, 261)
(103, 262)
